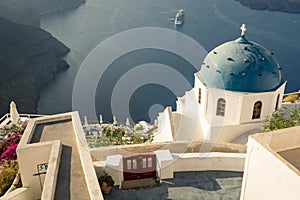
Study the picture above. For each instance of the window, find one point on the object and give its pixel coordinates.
(144, 162)
(149, 162)
(257, 110)
(128, 164)
(199, 97)
(134, 164)
(221, 107)
(277, 102)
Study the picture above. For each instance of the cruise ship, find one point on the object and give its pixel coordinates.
(179, 19)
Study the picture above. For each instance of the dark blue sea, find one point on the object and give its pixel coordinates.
(141, 82)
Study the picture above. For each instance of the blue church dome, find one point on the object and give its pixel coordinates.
(241, 65)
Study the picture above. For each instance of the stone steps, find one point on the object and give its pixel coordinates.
(139, 183)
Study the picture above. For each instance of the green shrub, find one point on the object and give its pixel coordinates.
(282, 118)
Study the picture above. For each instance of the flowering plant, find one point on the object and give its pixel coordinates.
(9, 145)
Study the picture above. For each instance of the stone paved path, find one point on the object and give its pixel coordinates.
(207, 185)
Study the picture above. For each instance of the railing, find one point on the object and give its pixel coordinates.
(6, 116)
(7, 124)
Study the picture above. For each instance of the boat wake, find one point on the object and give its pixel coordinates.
(170, 11)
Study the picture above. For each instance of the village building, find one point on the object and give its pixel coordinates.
(239, 84)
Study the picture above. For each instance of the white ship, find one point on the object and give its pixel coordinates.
(179, 19)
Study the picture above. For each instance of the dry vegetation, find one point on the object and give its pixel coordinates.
(291, 98)
(8, 172)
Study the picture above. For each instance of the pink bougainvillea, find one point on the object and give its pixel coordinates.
(10, 153)
(9, 145)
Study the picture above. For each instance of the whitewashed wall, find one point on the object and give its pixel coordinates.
(267, 177)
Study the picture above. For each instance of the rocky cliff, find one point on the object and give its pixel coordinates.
(29, 59)
(29, 56)
(289, 6)
(29, 11)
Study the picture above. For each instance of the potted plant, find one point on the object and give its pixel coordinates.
(106, 182)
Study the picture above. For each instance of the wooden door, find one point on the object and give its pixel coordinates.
(139, 166)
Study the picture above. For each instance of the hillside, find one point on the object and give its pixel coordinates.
(29, 59)
(289, 6)
(29, 11)
(29, 56)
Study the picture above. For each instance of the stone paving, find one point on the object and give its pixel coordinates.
(215, 185)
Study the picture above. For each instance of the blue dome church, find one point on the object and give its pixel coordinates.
(239, 84)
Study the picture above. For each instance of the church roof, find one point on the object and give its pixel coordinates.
(241, 65)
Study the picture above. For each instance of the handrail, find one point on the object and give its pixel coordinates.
(7, 115)
(4, 117)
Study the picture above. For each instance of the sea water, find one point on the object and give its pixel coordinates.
(209, 22)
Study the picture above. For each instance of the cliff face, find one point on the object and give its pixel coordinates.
(29, 56)
(29, 11)
(29, 59)
(289, 6)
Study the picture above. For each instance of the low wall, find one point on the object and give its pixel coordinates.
(101, 153)
(52, 171)
(285, 139)
(209, 161)
(86, 161)
(168, 163)
(39, 153)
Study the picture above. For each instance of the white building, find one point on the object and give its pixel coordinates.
(238, 85)
(272, 166)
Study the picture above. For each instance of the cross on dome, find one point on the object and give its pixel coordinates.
(244, 29)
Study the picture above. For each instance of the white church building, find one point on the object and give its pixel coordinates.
(239, 84)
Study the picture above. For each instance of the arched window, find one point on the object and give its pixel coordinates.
(277, 102)
(199, 96)
(221, 107)
(257, 110)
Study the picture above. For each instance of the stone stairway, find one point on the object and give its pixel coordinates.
(71, 182)
(139, 183)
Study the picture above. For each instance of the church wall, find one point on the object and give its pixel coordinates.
(232, 109)
(203, 105)
(280, 91)
(268, 100)
(211, 107)
(186, 127)
(185, 121)
(205, 127)
(191, 102)
(248, 105)
(179, 103)
(165, 133)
